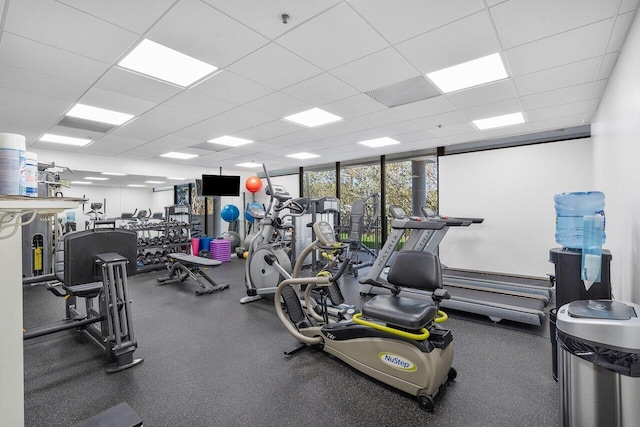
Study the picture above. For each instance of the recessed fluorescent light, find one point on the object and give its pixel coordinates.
(249, 165)
(155, 60)
(136, 185)
(230, 141)
(303, 156)
(312, 118)
(175, 155)
(96, 114)
(379, 142)
(176, 179)
(499, 121)
(96, 178)
(114, 173)
(59, 139)
(81, 182)
(154, 182)
(468, 74)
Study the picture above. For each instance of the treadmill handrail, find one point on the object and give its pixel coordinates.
(416, 225)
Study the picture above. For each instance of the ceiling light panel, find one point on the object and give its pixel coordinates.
(249, 165)
(313, 117)
(154, 182)
(499, 121)
(155, 60)
(468, 74)
(114, 173)
(230, 141)
(81, 182)
(136, 185)
(96, 114)
(176, 155)
(59, 139)
(379, 142)
(96, 178)
(303, 156)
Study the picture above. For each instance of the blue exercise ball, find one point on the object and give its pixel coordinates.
(247, 213)
(230, 213)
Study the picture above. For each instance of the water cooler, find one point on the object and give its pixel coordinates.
(599, 363)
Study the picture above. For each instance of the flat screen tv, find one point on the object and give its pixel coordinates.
(220, 185)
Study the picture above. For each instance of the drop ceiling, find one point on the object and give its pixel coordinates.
(330, 54)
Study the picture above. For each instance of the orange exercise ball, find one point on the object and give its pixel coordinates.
(253, 184)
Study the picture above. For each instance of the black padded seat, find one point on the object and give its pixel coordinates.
(85, 290)
(408, 313)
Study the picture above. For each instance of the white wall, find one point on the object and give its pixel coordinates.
(512, 189)
(616, 137)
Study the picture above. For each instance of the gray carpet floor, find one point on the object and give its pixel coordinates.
(210, 361)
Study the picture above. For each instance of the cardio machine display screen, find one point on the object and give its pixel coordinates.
(327, 232)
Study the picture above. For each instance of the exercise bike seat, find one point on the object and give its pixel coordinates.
(410, 269)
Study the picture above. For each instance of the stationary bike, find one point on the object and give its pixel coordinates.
(261, 278)
(396, 340)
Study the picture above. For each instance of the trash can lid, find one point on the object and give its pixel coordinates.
(614, 324)
(601, 309)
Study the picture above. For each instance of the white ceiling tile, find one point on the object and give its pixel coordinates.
(592, 108)
(499, 108)
(558, 77)
(599, 88)
(401, 19)
(31, 121)
(111, 145)
(445, 119)
(628, 6)
(461, 41)
(521, 21)
(458, 129)
(231, 88)
(608, 63)
(563, 110)
(278, 105)
(274, 67)
(211, 36)
(571, 46)
(115, 101)
(40, 58)
(269, 130)
(321, 89)
(485, 94)
(557, 123)
(521, 129)
(353, 106)
(426, 107)
(301, 137)
(40, 84)
(146, 129)
(266, 17)
(556, 97)
(379, 118)
(135, 85)
(135, 16)
(227, 123)
(66, 28)
(198, 103)
(376, 70)
(463, 137)
(350, 38)
(174, 116)
(419, 136)
(620, 30)
(176, 141)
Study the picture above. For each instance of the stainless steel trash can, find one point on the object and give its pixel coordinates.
(598, 344)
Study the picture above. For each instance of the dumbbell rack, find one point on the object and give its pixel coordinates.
(157, 240)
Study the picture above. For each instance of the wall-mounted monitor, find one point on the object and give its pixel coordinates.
(220, 185)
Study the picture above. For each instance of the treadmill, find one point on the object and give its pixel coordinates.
(497, 296)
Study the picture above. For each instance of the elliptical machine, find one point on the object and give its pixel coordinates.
(261, 277)
(396, 340)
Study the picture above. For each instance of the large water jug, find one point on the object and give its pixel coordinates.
(570, 211)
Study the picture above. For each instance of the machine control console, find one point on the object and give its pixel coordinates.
(324, 232)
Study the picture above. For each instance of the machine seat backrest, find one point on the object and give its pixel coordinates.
(58, 261)
(356, 220)
(416, 269)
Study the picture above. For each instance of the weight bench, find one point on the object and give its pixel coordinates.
(182, 266)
